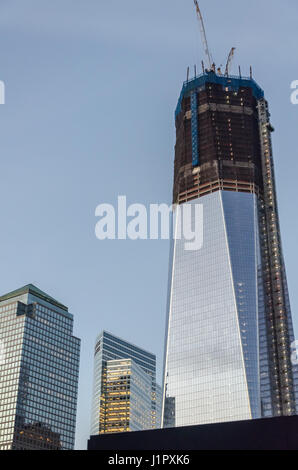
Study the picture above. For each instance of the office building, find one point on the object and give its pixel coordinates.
(39, 369)
(126, 397)
(229, 326)
(125, 393)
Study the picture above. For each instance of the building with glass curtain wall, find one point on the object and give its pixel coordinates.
(114, 356)
(39, 369)
(126, 397)
(229, 327)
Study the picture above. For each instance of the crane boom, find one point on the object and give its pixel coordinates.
(229, 61)
(203, 33)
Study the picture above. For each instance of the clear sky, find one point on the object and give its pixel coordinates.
(91, 88)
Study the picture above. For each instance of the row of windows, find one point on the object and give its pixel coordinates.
(47, 380)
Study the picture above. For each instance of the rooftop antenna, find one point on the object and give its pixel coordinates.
(203, 33)
(240, 72)
(195, 71)
(250, 72)
(187, 74)
(229, 61)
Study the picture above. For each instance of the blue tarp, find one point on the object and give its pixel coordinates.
(233, 82)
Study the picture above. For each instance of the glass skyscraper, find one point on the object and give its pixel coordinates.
(229, 327)
(39, 369)
(126, 397)
(133, 402)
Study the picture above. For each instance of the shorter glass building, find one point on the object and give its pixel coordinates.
(126, 397)
(39, 369)
(133, 369)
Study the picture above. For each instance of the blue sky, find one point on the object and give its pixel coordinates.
(91, 88)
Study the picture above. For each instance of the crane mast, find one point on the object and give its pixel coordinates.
(229, 61)
(203, 33)
(211, 65)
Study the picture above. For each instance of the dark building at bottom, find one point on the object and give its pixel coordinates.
(280, 433)
(36, 436)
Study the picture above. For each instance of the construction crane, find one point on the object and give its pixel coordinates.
(229, 61)
(203, 33)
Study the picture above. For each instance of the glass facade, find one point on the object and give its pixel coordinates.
(212, 344)
(126, 397)
(158, 406)
(109, 348)
(229, 325)
(39, 371)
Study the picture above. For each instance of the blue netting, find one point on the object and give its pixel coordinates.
(232, 82)
(194, 129)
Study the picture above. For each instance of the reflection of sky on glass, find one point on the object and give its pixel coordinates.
(208, 370)
(91, 89)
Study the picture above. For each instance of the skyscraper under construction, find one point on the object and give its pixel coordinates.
(229, 327)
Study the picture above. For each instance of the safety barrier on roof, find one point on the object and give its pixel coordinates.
(233, 82)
